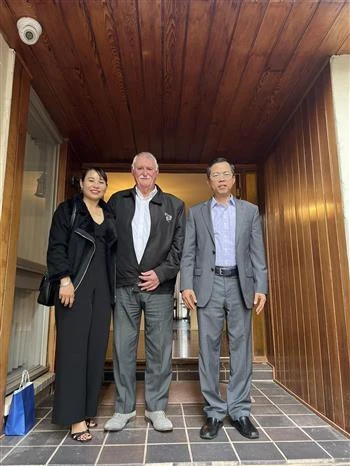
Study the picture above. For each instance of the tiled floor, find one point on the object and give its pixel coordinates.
(289, 433)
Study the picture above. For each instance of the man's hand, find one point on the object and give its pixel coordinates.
(148, 281)
(190, 299)
(259, 302)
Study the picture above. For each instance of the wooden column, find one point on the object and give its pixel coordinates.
(11, 215)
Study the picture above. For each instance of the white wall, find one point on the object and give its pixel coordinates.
(7, 63)
(340, 75)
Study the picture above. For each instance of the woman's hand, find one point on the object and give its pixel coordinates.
(66, 292)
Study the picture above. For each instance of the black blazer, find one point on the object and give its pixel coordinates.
(71, 248)
(164, 247)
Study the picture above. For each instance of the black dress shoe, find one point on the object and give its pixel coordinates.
(211, 428)
(245, 427)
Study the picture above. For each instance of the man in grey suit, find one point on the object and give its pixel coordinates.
(223, 273)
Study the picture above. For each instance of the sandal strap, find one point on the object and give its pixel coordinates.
(76, 436)
(90, 422)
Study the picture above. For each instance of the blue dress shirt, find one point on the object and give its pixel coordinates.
(224, 225)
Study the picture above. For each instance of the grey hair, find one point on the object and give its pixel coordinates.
(145, 154)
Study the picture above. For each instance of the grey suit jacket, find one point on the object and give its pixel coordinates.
(198, 257)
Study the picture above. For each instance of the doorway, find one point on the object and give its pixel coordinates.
(192, 188)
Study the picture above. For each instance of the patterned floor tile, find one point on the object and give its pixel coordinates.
(273, 421)
(173, 453)
(212, 451)
(28, 455)
(122, 454)
(176, 436)
(261, 452)
(51, 438)
(308, 420)
(302, 450)
(289, 432)
(324, 433)
(81, 454)
(126, 437)
(294, 409)
(286, 433)
(339, 450)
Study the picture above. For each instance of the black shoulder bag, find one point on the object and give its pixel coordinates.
(47, 289)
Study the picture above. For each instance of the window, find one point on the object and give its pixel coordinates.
(28, 347)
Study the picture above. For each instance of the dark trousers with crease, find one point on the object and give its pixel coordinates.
(82, 338)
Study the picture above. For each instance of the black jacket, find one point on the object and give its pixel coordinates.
(71, 249)
(164, 247)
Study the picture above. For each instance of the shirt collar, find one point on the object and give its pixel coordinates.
(214, 202)
(149, 196)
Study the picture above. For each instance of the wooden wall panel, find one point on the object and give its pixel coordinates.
(309, 275)
(11, 215)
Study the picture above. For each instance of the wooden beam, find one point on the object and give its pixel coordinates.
(167, 167)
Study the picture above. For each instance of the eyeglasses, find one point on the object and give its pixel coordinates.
(224, 175)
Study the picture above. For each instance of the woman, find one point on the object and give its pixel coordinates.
(80, 259)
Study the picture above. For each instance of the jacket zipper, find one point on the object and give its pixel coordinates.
(91, 256)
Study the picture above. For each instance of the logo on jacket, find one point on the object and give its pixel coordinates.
(168, 217)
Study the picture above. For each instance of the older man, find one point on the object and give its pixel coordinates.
(151, 229)
(223, 274)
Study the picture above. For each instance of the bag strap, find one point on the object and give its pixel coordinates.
(25, 379)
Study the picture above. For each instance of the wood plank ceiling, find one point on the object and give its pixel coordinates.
(188, 80)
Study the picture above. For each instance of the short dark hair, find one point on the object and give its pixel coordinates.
(219, 160)
(98, 170)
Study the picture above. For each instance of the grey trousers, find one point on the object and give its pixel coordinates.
(158, 314)
(225, 302)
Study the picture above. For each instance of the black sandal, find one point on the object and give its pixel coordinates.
(90, 423)
(77, 436)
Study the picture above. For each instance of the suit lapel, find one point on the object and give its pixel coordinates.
(206, 212)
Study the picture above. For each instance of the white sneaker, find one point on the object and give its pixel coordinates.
(159, 420)
(118, 421)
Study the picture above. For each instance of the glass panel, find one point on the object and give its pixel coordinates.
(37, 200)
(28, 346)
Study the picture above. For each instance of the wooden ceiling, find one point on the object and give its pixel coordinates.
(188, 80)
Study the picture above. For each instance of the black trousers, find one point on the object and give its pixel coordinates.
(82, 338)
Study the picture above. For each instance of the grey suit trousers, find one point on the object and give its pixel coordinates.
(226, 302)
(158, 313)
